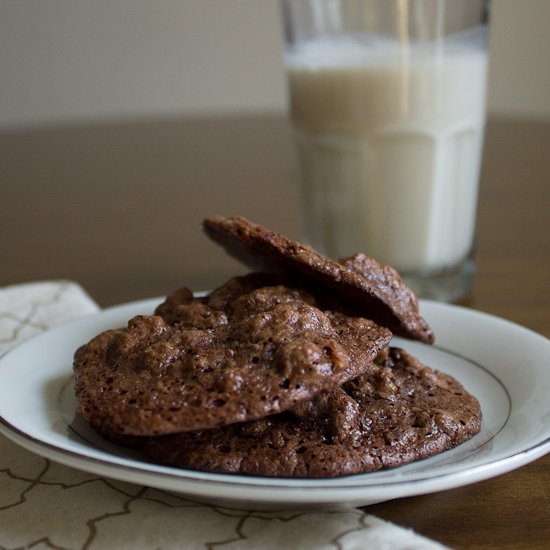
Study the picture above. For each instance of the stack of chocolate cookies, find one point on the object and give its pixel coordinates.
(287, 371)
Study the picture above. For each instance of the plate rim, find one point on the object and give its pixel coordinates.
(278, 493)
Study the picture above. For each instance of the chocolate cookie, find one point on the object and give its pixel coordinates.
(398, 412)
(366, 287)
(245, 351)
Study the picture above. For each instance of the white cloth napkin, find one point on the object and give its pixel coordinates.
(45, 504)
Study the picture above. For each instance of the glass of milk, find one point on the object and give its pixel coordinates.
(387, 101)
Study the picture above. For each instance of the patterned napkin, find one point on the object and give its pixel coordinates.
(47, 505)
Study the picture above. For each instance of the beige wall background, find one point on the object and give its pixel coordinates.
(64, 61)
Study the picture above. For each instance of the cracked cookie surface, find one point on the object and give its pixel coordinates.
(398, 412)
(359, 285)
(243, 352)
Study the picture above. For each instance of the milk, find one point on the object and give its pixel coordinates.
(390, 142)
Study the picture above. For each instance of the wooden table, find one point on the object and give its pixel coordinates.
(118, 208)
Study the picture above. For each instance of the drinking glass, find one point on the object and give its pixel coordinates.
(387, 103)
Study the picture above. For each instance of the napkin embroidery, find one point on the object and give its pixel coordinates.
(29, 309)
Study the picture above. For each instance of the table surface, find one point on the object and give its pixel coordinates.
(118, 206)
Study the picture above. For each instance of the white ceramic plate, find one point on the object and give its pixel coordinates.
(506, 366)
